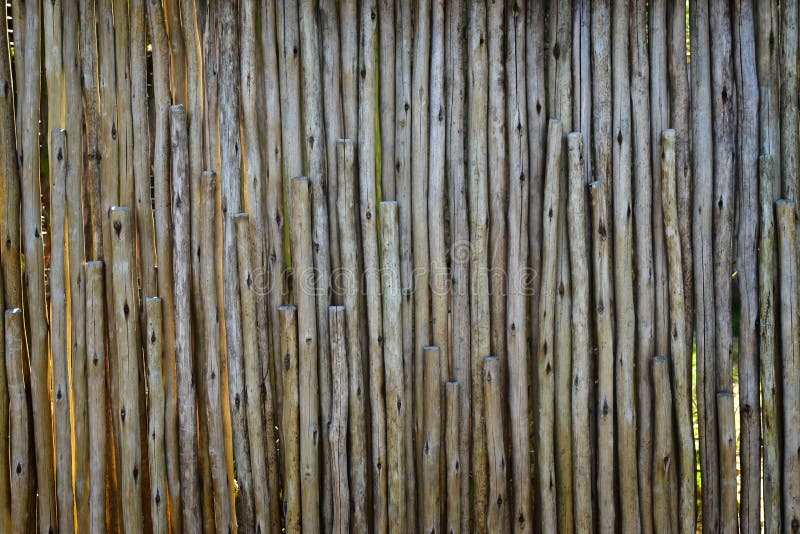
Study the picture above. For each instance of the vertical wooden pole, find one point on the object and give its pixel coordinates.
(177, 51)
(96, 388)
(403, 181)
(477, 80)
(387, 102)
(290, 424)
(663, 462)
(126, 324)
(497, 515)
(747, 263)
(182, 276)
(606, 462)
(5, 413)
(786, 215)
(582, 371)
(19, 455)
(156, 403)
(18, 16)
(770, 399)
(702, 172)
(307, 356)
(396, 402)
(75, 215)
(545, 426)
(356, 431)
(212, 379)
(768, 50)
(34, 274)
(53, 64)
(419, 211)
(498, 179)
(790, 162)
(431, 516)
(681, 362)
(582, 80)
(254, 385)
(348, 11)
(727, 462)
(338, 430)
(59, 344)
(367, 208)
(452, 458)
(288, 31)
(455, 66)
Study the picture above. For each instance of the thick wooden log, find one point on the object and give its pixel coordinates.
(125, 311)
(453, 508)
(357, 408)
(497, 519)
(33, 275)
(396, 402)
(581, 376)
(477, 162)
(681, 361)
(607, 365)
(22, 472)
(211, 343)
(770, 399)
(255, 387)
(290, 423)
(663, 462)
(786, 216)
(545, 456)
(308, 383)
(156, 404)
(59, 343)
(184, 327)
(96, 362)
(432, 491)
(337, 434)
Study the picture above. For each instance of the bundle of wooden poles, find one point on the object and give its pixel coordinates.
(404, 265)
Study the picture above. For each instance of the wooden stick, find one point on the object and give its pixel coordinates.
(387, 102)
(455, 37)
(581, 67)
(517, 247)
(156, 407)
(662, 446)
(75, 215)
(10, 185)
(288, 32)
(479, 277)
(315, 163)
(21, 473)
(307, 356)
(498, 179)
(338, 430)
(702, 173)
(403, 180)
(770, 417)
(727, 461)
(545, 457)
(747, 264)
(53, 64)
(15, 349)
(396, 402)
(790, 353)
(96, 388)
(18, 15)
(231, 196)
(369, 236)
(177, 49)
(645, 304)
(254, 386)
(453, 516)
(419, 213)
(290, 424)
(605, 362)
(59, 344)
(163, 221)
(348, 11)
(210, 81)
(31, 216)
(767, 55)
(581, 390)
(497, 515)
(125, 312)
(352, 300)
(790, 157)
(182, 265)
(213, 396)
(431, 517)
(681, 362)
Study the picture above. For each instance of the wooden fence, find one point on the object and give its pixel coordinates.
(415, 266)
